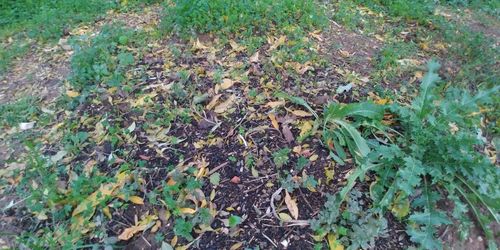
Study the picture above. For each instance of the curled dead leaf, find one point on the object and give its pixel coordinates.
(291, 205)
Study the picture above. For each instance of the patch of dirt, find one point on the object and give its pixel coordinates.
(350, 50)
(38, 73)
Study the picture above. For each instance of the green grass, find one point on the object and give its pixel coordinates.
(26, 21)
(241, 18)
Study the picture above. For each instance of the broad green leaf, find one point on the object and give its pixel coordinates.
(362, 148)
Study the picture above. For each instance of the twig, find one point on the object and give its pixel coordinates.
(218, 167)
(260, 178)
(269, 239)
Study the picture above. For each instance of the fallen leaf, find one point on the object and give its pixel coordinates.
(106, 212)
(280, 41)
(187, 210)
(226, 83)
(213, 102)
(333, 243)
(224, 106)
(131, 128)
(254, 58)
(285, 217)
(329, 173)
(136, 200)
(301, 113)
(305, 128)
(274, 121)
(72, 93)
(314, 157)
(275, 104)
(291, 205)
(400, 207)
(287, 133)
(236, 246)
(142, 225)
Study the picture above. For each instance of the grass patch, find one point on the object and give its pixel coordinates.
(240, 18)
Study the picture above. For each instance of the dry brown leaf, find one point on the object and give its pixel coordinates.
(291, 205)
(224, 106)
(274, 121)
(254, 58)
(275, 104)
(142, 225)
(301, 113)
(236, 246)
(287, 133)
(213, 102)
(226, 83)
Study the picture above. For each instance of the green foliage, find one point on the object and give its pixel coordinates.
(24, 110)
(356, 226)
(243, 18)
(234, 221)
(280, 157)
(183, 228)
(103, 59)
(436, 150)
(339, 132)
(418, 10)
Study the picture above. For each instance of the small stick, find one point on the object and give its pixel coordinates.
(218, 167)
(272, 242)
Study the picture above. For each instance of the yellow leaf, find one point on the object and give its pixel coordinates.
(329, 173)
(142, 225)
(136, 200)
(280, 41)
(285, 217)
(332, 242)
(291, 205)
(72, 94)
(187, 210)
(156, 226)
(236, 246)
(275, 104)
(313, 157)
(173, 242)
(106, 212)
(274, 121)
(301, 113)
(94, 199)
(305, 128)
(400, 207)
(226, 83)
(213, 102)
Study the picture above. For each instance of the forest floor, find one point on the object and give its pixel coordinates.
(194, 148)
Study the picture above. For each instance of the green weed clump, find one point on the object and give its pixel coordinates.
(102, 59)
(431, 157)
(242, 17)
